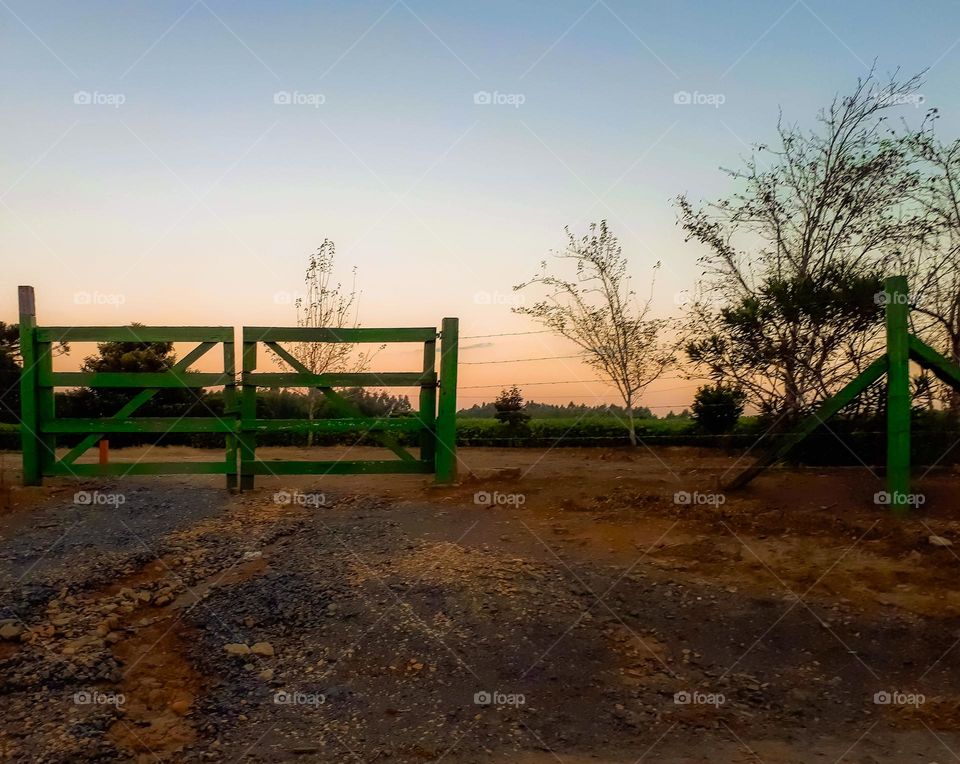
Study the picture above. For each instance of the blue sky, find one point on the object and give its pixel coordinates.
(198, 198)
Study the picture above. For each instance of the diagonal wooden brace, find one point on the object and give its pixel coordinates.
(136, 402)
(342, 405)
(929, 358)
(827, 409)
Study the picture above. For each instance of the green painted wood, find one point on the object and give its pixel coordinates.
(898, 392)
(46, 406)
(247, 441)
(29, 416)
(428, 406)
(231, 412)
(138, 468)
(340, 404)
(343, 467)
(310, 334)
(159, 379)
(827, 409)
(946, 371)
(356, 379)
(446, 426)
(239, 423)
(140, 425)
(136, 402)
(356, 425)
(135, 333)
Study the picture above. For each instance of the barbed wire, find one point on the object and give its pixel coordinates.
(560, 382)
(530, 384)
(519, 360)
(504, 334)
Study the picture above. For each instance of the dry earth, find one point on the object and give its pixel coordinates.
(577, 613)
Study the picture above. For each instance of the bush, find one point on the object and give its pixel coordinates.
(510, 410)
(718, 408)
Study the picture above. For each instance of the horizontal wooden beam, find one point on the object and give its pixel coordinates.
(309, 334)
(136, 379)
(135, 334)
(139, 424)
(357, 425)
(357, 379)
(340, 467)
(139, 468)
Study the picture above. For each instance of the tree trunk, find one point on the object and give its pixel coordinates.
(954, 399)
(630, 424)
(311, 407)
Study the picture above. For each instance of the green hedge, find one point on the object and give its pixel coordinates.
(845, 442)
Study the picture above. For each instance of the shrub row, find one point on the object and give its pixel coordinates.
(844, 442)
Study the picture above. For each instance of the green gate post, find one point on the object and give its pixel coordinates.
(428, 406)
(898, 392)
(248, 414)
(446, 448)
(231, 413)
(28, 387)
(46, 405)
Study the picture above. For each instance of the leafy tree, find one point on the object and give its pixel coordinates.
(718, 408)
(10, 366)
(599, 312)
(9, 372)
(793, 342)
(510, 408)
(786, 309)
(374, 402)
(131, 356)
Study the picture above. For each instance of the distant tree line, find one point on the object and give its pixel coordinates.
(538, 410)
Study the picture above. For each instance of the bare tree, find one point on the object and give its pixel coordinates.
(601, 314)
(327, 305)
(796, 254)
(934, 267)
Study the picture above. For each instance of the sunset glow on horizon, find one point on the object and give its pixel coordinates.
(177, 163)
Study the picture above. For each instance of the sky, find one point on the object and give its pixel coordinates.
(177, 162)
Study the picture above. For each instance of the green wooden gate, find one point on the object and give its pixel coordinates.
(434, 422)
(902, 347)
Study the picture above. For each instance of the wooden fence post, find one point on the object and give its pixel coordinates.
(29, 418)
(446, 447)
(248, 413)
(898, 392)
(230, 413)
(428, 406)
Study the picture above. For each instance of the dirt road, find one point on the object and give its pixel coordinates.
(564, 605)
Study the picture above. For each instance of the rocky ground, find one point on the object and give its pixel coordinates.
(408, 624)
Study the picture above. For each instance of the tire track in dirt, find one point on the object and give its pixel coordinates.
(123, 648)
